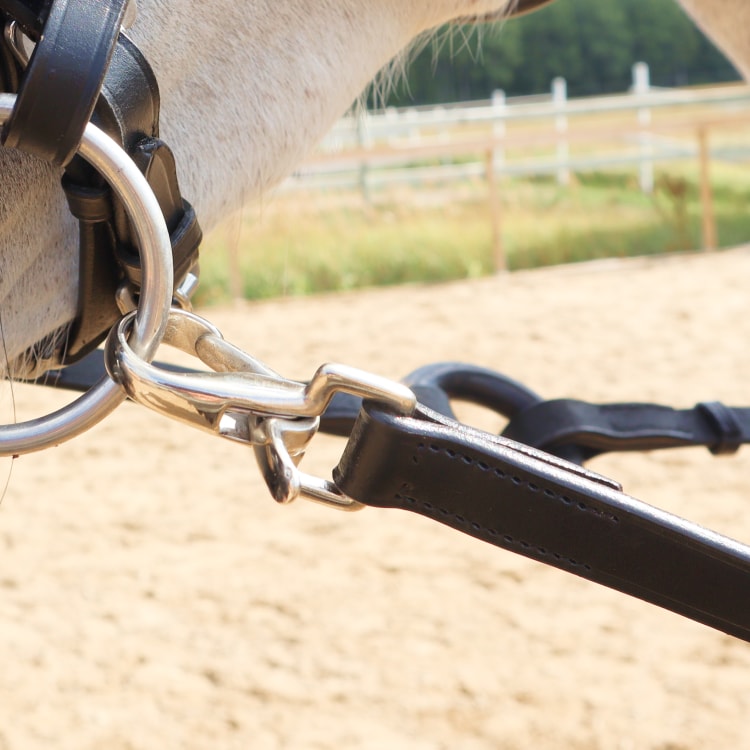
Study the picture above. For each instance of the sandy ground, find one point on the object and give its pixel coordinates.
(153, 596)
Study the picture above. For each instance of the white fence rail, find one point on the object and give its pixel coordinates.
(536, 135)
(543, 135)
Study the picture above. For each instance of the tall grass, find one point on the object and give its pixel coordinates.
(307, 244)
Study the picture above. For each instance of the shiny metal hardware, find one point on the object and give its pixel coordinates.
(18, 43)
(244, 400)
(152, 239)
(278, 464)
(130, 15)
(183, 295)
(126, 299)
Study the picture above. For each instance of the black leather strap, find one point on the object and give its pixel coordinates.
(547, 509)
(99, 275)
(128, 110)
(578, 430)
(591, 429)
(64, 77)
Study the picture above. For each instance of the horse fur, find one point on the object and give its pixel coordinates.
(247, 89)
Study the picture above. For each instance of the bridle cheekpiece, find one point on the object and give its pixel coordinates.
(84, 68)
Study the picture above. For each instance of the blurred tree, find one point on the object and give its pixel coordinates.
(665, 38)
(591, 43)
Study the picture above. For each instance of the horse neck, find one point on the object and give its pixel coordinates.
(726, 22)
(241, 116)
(38, 259)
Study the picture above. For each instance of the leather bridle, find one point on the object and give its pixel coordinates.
(83, 68)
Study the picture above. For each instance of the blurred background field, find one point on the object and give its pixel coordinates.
(302, 244)
(650, 158)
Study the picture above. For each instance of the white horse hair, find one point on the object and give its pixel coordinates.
(247, 89)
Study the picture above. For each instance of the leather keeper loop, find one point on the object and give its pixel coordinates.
(185, 238)
(724, 421)
(86, 203)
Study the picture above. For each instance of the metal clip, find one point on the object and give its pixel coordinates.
(278, 464)
(244, 400)
(130, 15)
(19, 44)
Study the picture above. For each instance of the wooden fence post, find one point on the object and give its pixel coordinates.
(708, 218)
(499, 260)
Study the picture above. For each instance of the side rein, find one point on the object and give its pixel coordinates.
(524, 491)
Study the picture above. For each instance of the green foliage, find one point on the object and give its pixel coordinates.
(602, 215)
(591, 43)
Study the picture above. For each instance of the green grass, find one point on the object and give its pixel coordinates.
(309, 244)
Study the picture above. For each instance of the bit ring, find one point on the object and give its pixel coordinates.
(153, 305)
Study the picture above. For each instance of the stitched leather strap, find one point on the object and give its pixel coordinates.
(549, 510)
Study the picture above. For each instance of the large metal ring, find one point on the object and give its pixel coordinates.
(153, 305)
